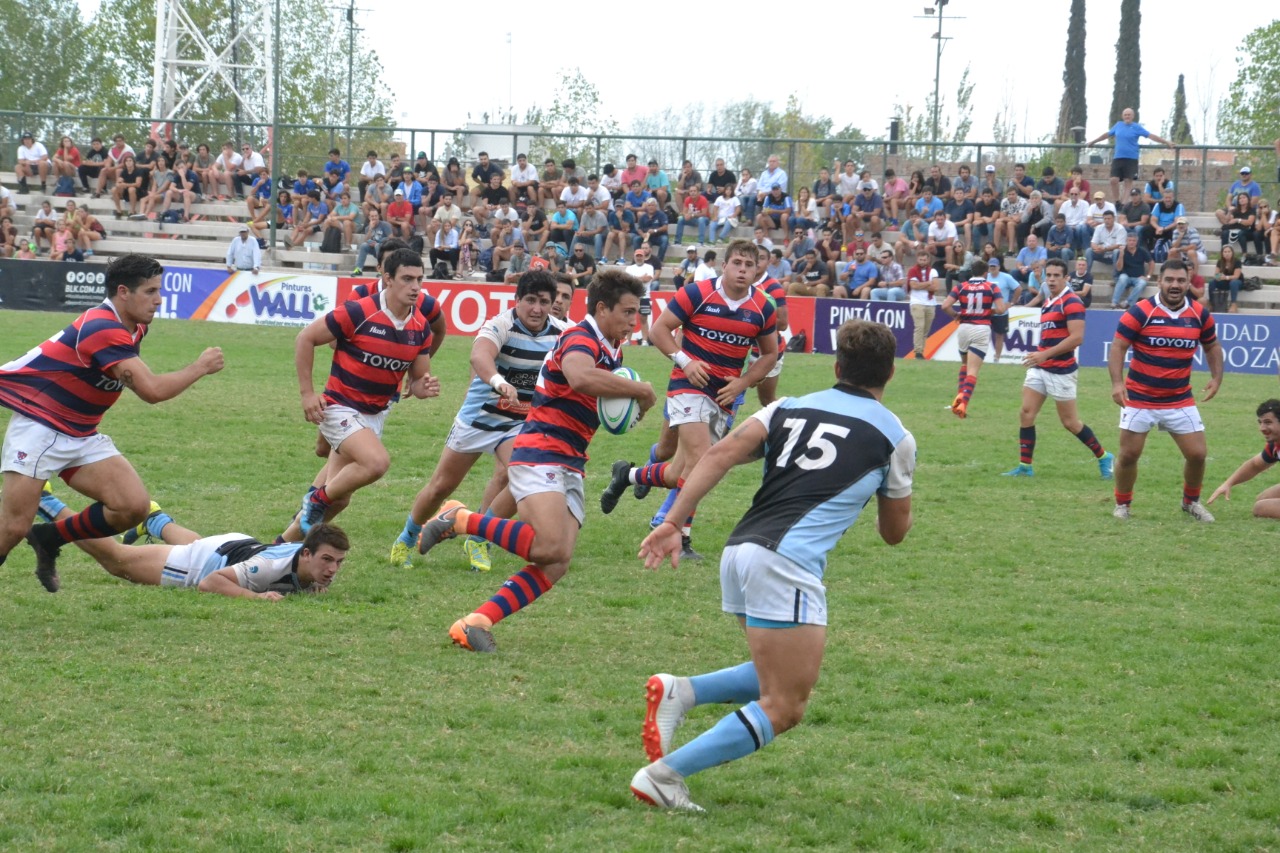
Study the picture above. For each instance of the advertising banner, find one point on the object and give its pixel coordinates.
(262, 300)
(1249, 341)
(51, 285)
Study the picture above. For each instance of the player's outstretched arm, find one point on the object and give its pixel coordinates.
(741, 446)
(223, 582)
(1251, 468)
(484, 362)
(156, 388)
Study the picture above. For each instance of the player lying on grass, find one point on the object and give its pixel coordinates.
(548, 457)
(825, 456)
(1267, 504)
(231, 564)
(507, 354)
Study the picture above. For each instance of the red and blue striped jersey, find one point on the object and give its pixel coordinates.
(561, 421)
(719, 332)
(427, 304)
(1054, 317)
(373, 352)
(1271, 453)
(1164, 348)
(63, 383)
(975, 300)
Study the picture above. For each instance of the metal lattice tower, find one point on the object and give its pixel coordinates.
(187, 65)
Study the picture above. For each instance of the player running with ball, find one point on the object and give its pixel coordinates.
(548, 458)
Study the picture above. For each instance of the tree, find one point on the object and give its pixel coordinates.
(1249, 114)
(576, 116)
(1073, 110)
(1127, 89)
(45, 56)
(919, 125)
(1179, 129)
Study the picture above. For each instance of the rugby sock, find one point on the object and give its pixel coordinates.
(736, 735)
(320, 496)
(1190, 494)
(966, 389)
(486, 513)
(513, 536)
(409, 535)
(661, 515)
(89, 523)
(964, 372)
(734, 684)
(518, 591)
(157, 522)
(1124, 498)
(1026, 444)
(653, 474)
(1090, 441)
(653, 454)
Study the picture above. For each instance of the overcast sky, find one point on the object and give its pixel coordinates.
(665, 55)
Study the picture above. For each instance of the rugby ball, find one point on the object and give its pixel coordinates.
(619, 414)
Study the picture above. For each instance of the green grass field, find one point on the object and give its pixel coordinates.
(1023, 673)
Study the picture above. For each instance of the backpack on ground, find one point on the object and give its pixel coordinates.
(332, 242)
(797, 342)
(1160, 252)
(66, 186)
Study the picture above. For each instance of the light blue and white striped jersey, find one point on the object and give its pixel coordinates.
(520, 356)
(257, 566)
(826, 455)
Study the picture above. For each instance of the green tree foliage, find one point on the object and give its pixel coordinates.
(1127, 90)
(919, 125)
(1250, 115)
(1073, 110)
(45, 60)
(1179, 129)
(576, 116)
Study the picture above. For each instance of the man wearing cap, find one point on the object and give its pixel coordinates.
(244, 254)
(1124, 163)
(400, 214)
(1247, 185)
(33, 160)
(1135, 217)
(1108, 240)
(685, 272)
(1093, 217)
(1185, 244)
(990, 181)
(1009, 288)
(868, 206)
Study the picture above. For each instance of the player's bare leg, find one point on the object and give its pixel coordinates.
(1126, 472)
(968, 381)
(1194, 451)
(451, 469)
(767, 390)
(360, 460)
(1267, 504)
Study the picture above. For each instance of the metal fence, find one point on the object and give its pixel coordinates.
(1202, 173)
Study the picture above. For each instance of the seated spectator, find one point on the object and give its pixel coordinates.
(1076, 212)
(580, 265)
(611, 180)
(1078, 183)
(1058, 241)
(858, 278)
(335, 165)
(719, 178)
(961, 211)
(1237, 221)
(658, 184)
(517, 264)
(574, 195)
(824, 191)
(333, 187)
(221, 183)
(1050, 186)
(482, 175)
(536, 228)
(1135, 217)
(1108, 241)
(913, 237)
(895, 192)
(799, 244)
(707, 269)
(990, 179)
(8, 237)
(967, 184)
(1229, 276)
(283, 212)
(250, 162)
(938, 183)
(617, 241)
(893, 279)
(725, 214)
(92, 163)
(1164, 216)
(652, 228)
(1011, 210)
(1269, 224)
(88, 231)
(593, 228)
(423, 168)
(131, 184)
(66, 159)
(1036, 218)
(446, 210)
(690, 181)
(1246, 185)
(1185, 244)
(762, 240)
(944, 240)
(432, 193)
(370, 170)
(1021, 181)
(1100, 206)
(1134, 267)
(303, 186)
(929, 205)
(597, 193)
(693, 212)
(848, 183)
(986, 213)
(635, 198)
(309, 218)
(1079, 280)
(446, 248)
(185, 188)
(553, 181)
(453, 180)
(399, 214)
(775, 210)
(32, 161)
(1158, 187)
(377, 196)
(158, 191)
(746, 192)
(524, 181)
(346, 218)
(1031, 261)
(915, 190)
(811, 276)
(829, 246)
(564, 224)
(868, 209)
(777, 267)
(63, 247)
(805, 211)
(684, 272)
(503, 238)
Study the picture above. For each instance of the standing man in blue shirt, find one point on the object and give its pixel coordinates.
(1124, 163)
(1008, 287)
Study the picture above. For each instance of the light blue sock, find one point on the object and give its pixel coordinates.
(653, 454)
(661, 515)
(737, 735)
(409, 535)
(157, 522)
(735, 684)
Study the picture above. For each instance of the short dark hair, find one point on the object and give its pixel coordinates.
(483, 154)
(609, 287)
(865, 353)
(333, 151)
(1057, 262)
(130, 271)
(388, 246)
(709, 256)
(1174, 264)
(1270, 407)
(978, 269)
(326, 534)
(536, 281)
(392, 263)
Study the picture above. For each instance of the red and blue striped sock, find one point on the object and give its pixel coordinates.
(1090, 441)
(966, 388)
(1124, 498)
(1190, 494)
(964, 371)
(518, 592)
(1026, 444)
(89, 523)
(651, 475)
(509, 535)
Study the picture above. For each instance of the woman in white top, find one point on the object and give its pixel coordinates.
(747, 188)
(806, 209)
(726, 214)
